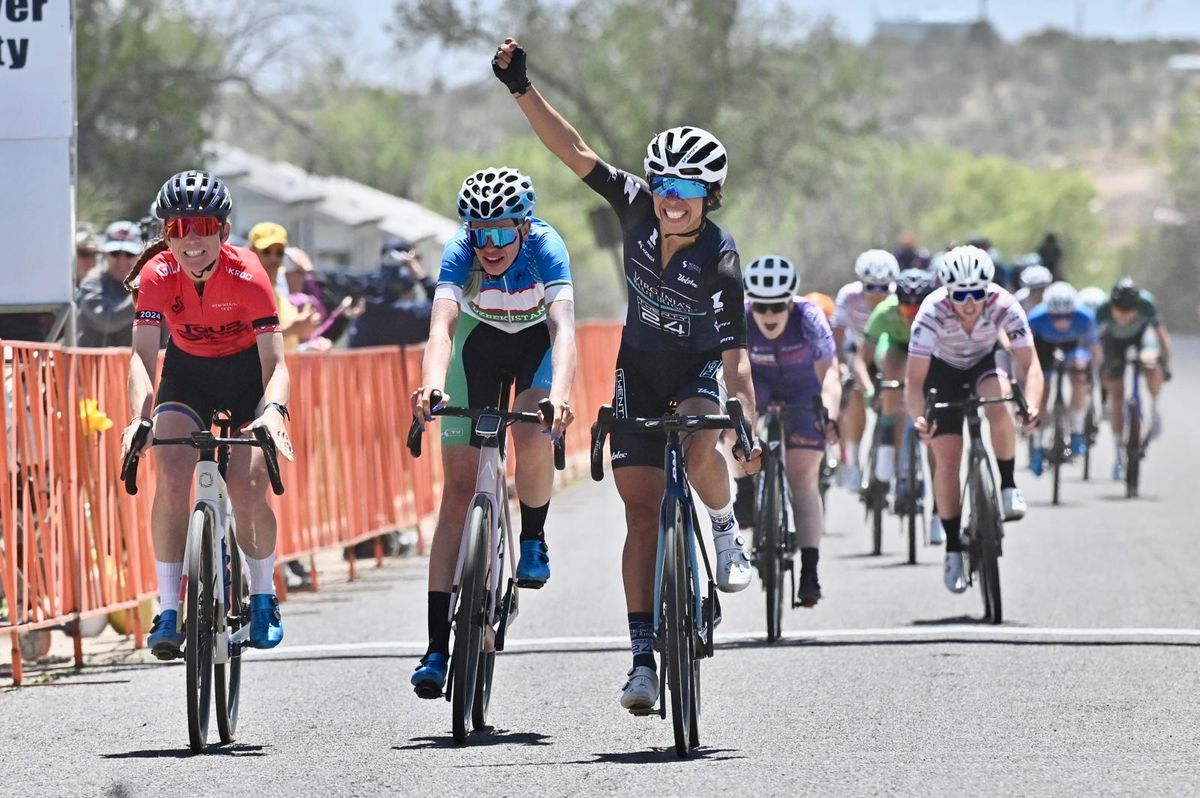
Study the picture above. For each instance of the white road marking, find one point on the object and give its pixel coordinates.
(1115, 634)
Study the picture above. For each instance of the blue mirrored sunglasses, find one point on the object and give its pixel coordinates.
(976, 294)
(678, 187)
(482, 237)
(877, 288)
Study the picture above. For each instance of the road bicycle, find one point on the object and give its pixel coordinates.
(216, 617)
(1136, 439)
(1091, 429)
(685, 613)
(874, 492)
(775, 534)
(1058, 453)
(983, 537)
(909, 496)
(484, 598)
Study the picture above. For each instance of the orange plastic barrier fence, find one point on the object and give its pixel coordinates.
(73, 544)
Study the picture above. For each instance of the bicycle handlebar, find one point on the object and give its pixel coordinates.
(200, 439)
(506, 416)
(734, 418)
(973, 402)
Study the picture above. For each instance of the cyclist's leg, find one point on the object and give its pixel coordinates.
(990, 385)
(946, 449)
(180, 409)
(535, 455)
(891, 358)
(1149, 354)
(803, 474)
(1079, 363)
(1112, 376)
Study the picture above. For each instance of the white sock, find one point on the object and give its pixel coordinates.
(261, 573)
(1078, 417)
(170, 574)
(852, 452)
(722, 520)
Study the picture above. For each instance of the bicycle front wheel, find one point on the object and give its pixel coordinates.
(677, 652)
(1133, 448)
(912, 476)
(771, 552)
(985, 520)
(199, 624)
(468, 621)
(229, 675)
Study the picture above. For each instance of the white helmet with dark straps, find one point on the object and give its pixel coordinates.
(688, 152)
(771, 278)
(966, 268)
(877, 267)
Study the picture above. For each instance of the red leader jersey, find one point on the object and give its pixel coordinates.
(236, 306)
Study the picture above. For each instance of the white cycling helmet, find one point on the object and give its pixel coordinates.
(1061, 298)
(496, 193)
(1092, 296)
(877, 267)
(966, 269)
(688, 152)
(771, 278)
(1036, 278)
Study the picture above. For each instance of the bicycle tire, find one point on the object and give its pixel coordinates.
(772, 549)
(877, 501)
(199, 625)
(986, 535)
(487, 662)
(229, 675)
(1060, 444)
(468, 622)
(1089, 427)
(678, 649)
(1133, 448)
(912, 476)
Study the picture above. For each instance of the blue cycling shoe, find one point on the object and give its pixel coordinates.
(534, 568)
(166, 638)
(266, 625)
(430, 675)
(1078, 444)
(1037, 460)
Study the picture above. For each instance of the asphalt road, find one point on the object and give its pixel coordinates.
(889, 686)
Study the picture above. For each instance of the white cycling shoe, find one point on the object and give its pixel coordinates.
(851, 477)
(733, 563)
(1013, 504)
(954, 572)
(937, 533)
(640, 693)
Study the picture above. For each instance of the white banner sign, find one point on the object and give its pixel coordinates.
(37, 128)
(36, 66)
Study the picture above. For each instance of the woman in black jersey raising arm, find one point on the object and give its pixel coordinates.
(685, 326)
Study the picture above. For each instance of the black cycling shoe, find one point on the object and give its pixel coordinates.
(810, 589)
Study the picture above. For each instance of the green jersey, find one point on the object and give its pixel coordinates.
(887, 320)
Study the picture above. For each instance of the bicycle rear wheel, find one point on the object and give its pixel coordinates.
(985, 539)
(677, 652)
(199, 625)
(912, 476)
(770, 555)
(1133, 447)
(468, 621)
(229, 675)
(1090, 430)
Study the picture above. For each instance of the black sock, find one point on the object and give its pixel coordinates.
(439, 623)
(951, 527)
(533, 521)
(641, 639)
(808, 559)
(1006, 472)
(743, 501)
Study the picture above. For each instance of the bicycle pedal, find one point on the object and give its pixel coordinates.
(642, 712)
(532, 584)
(428, 690)
(167, 656)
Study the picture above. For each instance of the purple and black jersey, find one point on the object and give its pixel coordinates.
(783, 368)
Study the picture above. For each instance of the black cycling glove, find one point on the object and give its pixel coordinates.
(514, 76)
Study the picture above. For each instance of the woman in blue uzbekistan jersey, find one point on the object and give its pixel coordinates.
(685, 325)
(504, 307)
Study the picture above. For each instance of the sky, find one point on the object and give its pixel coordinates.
(373, 56)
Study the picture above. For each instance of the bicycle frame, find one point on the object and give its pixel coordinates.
(212, 492)
(678, 490)
(490, 485)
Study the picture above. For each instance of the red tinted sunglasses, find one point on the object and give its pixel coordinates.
(179, 227)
